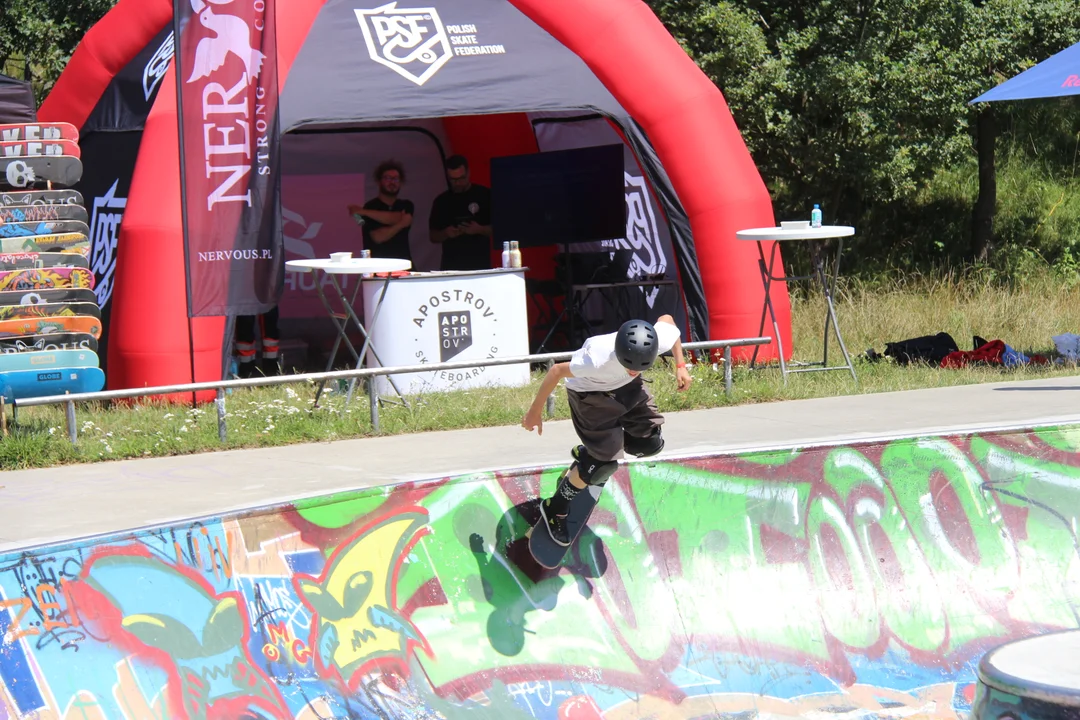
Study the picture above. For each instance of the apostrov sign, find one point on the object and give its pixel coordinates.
(450, 318)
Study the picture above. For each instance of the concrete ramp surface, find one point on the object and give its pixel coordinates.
(857, 581)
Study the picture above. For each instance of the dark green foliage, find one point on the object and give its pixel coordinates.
(862, 106)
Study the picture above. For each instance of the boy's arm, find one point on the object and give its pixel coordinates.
(534, 418)
(682, 375)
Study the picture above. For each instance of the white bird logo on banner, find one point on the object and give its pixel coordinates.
(232, 35)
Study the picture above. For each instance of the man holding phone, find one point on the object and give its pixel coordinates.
(460, 220)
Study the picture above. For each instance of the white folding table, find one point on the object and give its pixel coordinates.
(760, 235)
(352, 266)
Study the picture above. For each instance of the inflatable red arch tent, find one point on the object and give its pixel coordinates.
(610, 59)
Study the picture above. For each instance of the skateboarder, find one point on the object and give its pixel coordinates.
(610, 406)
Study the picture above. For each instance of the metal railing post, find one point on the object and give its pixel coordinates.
(373, 398)
(221, 429)
(727, 371)
(72, 428)
(549, 405)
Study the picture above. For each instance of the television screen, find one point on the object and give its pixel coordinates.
(560, 196)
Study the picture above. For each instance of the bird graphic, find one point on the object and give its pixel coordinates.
(231, 35)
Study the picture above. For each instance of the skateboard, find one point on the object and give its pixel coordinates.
(58, 295)
(10, 198)
(29, 172)
(23, 384)
(36, 360)
(51, 342)
(44, 310)
(13, 132)
(26, 260)
(41, 213)
(49, 227)
(49, 325)
(63, 242)
(33, 148)
(45, 278)
(548, 553)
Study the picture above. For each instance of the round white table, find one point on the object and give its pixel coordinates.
(1037, 676)
(351, 266)
(780, 234)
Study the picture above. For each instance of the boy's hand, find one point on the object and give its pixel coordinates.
(534, 419)
(682, 375)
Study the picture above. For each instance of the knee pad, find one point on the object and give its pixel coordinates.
(644, 447)
(591, 470)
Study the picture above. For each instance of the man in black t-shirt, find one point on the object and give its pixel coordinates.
(460, 220)
(386, 217)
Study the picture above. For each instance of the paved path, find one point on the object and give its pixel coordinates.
(54, 504)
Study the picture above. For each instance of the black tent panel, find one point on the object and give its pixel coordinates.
(16, 101)
(465, 57)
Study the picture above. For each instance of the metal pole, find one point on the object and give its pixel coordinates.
(727, 371)
(373, 398)
(221, 430)
(72, 428)
(550, 405)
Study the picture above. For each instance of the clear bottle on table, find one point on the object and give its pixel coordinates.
(515, 254)
(506, 254)
(815, 216)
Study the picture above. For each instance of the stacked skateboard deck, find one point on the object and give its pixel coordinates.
(50, 320)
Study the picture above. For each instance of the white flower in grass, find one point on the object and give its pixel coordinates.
(183, 428)
(168, 415)
(290, 393)
(52, 430)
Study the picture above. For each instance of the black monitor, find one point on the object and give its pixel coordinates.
(559, 196)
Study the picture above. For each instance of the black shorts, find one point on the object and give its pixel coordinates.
(601, 417)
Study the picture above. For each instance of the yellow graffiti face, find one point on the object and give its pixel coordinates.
(358, 620)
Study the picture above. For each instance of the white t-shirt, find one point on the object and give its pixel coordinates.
(595, 367)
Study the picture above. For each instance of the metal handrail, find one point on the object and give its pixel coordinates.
(222, 385)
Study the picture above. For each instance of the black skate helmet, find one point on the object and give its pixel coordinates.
(636, 345)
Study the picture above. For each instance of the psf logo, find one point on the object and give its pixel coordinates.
(104, 234)
(411, 42)
(455, 333)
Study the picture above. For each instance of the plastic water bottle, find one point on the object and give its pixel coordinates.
(515, 254)
(506, 254)
(815, 216)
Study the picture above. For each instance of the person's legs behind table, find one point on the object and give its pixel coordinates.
(245, 344)
(596, 417)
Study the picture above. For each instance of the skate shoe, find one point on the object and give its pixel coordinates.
(555, 524)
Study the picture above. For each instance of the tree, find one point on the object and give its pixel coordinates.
(37, 37)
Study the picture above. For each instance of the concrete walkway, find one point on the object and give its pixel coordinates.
(55, 504)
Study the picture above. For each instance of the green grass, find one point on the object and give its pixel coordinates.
(1023, 314)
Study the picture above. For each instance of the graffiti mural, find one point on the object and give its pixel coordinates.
(864, 581)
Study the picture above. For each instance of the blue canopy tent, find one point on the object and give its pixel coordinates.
(1057, 76)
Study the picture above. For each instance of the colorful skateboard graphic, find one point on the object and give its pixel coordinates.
(14, 132)
(66, 242)
(22, 198)
(42, 213)
(44, 278)
(31, 148)
(50, 342)
(29, 172)
(42, 359)
(48, 227)
(57, 295)
(46, 310)
(27, 260)
(46, 326)
(58, 381)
